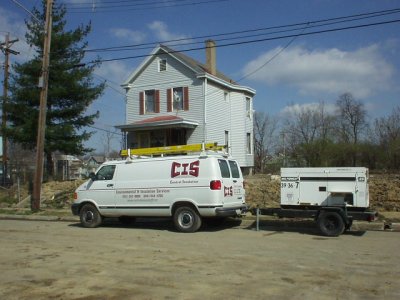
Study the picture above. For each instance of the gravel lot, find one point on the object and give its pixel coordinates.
(61, 260)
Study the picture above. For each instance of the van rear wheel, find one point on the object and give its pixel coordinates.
(90, 216)
(186, 219)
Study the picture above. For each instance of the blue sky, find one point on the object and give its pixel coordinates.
(303, 70)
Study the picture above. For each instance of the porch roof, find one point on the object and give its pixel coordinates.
(160, 122)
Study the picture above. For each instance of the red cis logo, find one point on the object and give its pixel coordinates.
(184, 169)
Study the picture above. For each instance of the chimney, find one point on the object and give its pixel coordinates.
(211, 62)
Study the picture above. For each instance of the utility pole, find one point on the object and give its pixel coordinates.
(5, 48)
(43, 84)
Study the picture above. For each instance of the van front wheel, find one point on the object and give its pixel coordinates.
(186, 219)
(90, 216)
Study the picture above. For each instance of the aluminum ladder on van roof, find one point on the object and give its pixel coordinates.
(179, 149)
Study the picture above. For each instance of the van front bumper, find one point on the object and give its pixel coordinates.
(231, 211)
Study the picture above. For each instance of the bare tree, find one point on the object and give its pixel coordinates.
(306, 130)
(387, 133)
(264, 138)
(108, 137)
(352, 122)
(351, 117)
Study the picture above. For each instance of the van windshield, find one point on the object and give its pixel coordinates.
(234, 169)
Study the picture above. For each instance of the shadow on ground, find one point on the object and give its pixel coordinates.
(208, 225)
(289, 225)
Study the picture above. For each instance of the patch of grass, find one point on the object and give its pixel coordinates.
(16, 211)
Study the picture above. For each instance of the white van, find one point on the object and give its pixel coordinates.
(186, 188)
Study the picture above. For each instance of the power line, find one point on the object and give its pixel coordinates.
(272, 58)
(124, 8)
(251, 41)
(310, 24)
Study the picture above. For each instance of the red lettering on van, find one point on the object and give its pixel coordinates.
(228, 191)
(178, 169)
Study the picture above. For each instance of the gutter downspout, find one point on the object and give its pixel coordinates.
(205, 110)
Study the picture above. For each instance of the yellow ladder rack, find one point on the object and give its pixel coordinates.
(180, 149)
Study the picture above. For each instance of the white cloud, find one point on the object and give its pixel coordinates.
(160, 30)
(329, 108)
(11, 23)
(116, 70)
(129, 36)
(362, 72)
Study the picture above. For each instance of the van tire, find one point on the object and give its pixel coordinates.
(331, 223)
(90, 216)
(186, 219)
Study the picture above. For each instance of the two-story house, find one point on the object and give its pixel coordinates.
(173, 99)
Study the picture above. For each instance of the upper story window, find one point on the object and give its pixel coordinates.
(226, 96)
(149, 102)
(162, 65)
(178, 99)
(249, 110)
(248, 103)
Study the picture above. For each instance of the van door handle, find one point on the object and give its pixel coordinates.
(110, 185)
(234, 181)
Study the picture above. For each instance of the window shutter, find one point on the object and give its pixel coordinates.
(169, 100)
(141, 103)
(186, 98)
(157, 101)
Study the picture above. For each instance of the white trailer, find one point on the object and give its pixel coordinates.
(333, 197)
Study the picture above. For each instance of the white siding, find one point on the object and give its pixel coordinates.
(229, 116)
(176, 75)
(218, 115)
(221, 115)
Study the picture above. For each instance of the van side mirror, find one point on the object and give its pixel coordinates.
(92, 176)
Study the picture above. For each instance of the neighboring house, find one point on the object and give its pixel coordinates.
(93, 163)
(173, 99)
(68, 167)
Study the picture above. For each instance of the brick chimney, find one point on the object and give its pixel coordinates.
(211, 62)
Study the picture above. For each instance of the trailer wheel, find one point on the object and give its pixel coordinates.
(186, 219)
(330, 223)
(90, 216)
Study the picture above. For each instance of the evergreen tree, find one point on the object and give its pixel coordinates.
(71, 89)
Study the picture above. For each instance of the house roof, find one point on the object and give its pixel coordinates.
(197, 67)
(97, 159)
(167, 121)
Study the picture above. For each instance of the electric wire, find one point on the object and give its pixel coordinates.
(179, 41)
(126, 8)
(250, 41)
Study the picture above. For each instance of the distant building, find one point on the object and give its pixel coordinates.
(173, 99)
(68, 167)
(93, 163)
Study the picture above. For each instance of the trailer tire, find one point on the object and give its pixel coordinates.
(330, 223)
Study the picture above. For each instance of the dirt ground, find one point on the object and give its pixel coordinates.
(61, 260)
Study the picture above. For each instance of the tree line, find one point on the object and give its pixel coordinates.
(322, 136)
